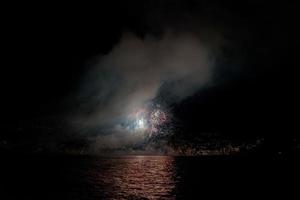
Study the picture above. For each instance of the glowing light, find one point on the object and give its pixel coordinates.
(149, 121)
(141, 123)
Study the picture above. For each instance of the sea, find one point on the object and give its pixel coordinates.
(145, 177)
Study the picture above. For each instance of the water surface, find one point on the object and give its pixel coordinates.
(140, 177)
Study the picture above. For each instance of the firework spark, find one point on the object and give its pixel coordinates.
(149, 120)
(157, 118)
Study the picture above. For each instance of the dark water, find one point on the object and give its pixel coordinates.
(134, 177)
(143, 177)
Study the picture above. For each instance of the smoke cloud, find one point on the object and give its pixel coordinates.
(135, 72)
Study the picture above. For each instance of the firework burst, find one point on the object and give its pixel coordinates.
(149, 120)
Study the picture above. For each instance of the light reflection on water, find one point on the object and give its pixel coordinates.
(135, 177)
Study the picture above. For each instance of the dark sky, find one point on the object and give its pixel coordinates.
(48, 47)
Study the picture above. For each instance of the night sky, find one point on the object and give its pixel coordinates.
(51, 52)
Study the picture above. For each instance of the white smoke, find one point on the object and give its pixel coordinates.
(133, 73)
